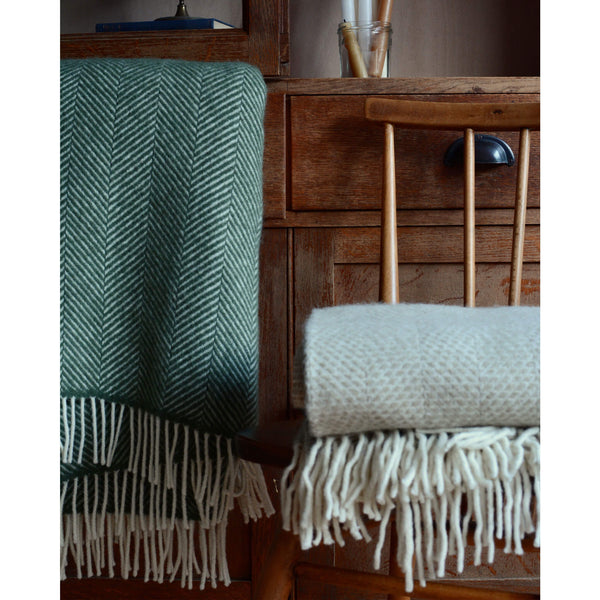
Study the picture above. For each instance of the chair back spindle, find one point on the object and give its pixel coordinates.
(389, 285)
(469, 217)
(466, 117)
(516, 261)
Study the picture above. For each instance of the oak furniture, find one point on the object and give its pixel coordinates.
(284, 562)
(320, 247)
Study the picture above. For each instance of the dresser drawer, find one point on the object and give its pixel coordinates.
(336, 159)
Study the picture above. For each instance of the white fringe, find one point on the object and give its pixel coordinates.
(172, 547)
(423, 476)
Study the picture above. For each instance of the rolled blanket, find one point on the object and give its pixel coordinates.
(378, 366)
(161, 218)
(418, 410)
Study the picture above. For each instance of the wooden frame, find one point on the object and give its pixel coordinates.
(495, 116)
(263, 41)
(453, 116)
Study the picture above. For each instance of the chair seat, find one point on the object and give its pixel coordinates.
(270, 444)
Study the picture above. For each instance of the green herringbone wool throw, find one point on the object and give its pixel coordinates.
(161, 214)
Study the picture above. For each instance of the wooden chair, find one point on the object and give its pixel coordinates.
(272, 444)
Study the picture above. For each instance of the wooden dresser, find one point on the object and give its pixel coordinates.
(320, 247)
(322, 190)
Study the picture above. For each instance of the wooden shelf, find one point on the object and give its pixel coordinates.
(200, 45)
(263, 41)
(407, 85)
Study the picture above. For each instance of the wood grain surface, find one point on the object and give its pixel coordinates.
(347, 173)
(493, 243)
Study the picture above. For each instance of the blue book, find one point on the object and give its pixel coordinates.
(163, 25)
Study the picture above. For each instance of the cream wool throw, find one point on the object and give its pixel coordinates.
(161, 218)
(412, 408)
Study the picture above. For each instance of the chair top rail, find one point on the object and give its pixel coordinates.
(418, 114)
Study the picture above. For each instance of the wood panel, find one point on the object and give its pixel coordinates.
(273, 374)
(313, 274)
(436, 283)
(518, 573)
(493, 243)
(358, 555)
(284, 40)
(372, 218)
(273, 309)
(274, 160)
(309, 590)
(415, 85)
(264, 531)
(200, 45)
(313, 286)
(263, 25)
(346, 173)
(340, 266)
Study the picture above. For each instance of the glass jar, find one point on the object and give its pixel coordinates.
(365, 48)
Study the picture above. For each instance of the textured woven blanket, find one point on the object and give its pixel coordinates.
(418, 410)
(161, 214)
(378, 366)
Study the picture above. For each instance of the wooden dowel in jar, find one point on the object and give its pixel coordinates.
(355, 57)
(379, 43)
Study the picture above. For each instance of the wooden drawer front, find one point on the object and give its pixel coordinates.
(336, 159)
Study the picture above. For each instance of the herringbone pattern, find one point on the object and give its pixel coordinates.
(161, 214)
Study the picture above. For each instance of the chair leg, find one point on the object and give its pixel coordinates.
(395, 570)
(276, 580)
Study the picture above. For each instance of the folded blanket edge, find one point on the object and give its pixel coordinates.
(172, 545)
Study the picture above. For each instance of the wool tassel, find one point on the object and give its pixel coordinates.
(150, 464)
(66, 430)
(171, 546)
(424, 476)
(73, 428)
(143, 465)
(103, 432)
